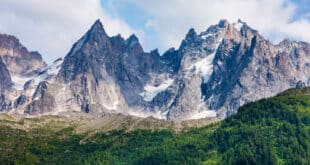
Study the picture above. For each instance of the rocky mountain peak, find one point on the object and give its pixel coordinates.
(17, 58)
(239, 24)
(132, 40)
(191, 34)
(11, 46)
(223, 23)
(247, 31)
(8, 41)
(97, 27)
(88, 54)
(288, 43)
(211, 74)
(133, 43)
(96, 34)
(118, 38)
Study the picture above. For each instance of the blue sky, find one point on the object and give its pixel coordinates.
(52, 26)
(137, 17)
(303, 9)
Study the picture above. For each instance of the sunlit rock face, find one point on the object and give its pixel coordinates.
(211, 74)
(17, 58)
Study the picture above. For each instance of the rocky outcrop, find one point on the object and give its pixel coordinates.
(20, 73)
(211, 74)
(108, 73)
(230, 65)
(42, 101)
(17, 58)
(253, 68)
(5, 78)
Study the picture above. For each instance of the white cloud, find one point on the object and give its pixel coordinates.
(172, 19)
(52, 26)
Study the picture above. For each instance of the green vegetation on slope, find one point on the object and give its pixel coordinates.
(269, 131)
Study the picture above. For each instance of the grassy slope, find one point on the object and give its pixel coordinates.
(269, 131)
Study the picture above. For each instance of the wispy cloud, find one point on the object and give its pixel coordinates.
(172, 19)
(52, 26)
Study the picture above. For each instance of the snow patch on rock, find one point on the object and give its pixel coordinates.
(49, 72)
(203, 114)
(206, 35)
(113, 106)
(19, 81)
(143, 114)
(150, 90)
(204, 66)
(46, 73)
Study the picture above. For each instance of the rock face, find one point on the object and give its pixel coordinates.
(18, 67)
(247, 67)
(211, 74)
(42, 101)
(107, 73)
(5, 85)
(5, 78)
(17, 58)
(21, 63)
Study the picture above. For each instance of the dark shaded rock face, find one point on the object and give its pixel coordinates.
(43, 102)
(5, 103)
(5, 78)
(20, 100)
(211, 74)
(17, 58)
(87, 55)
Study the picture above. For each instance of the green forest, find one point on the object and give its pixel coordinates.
(269, 131)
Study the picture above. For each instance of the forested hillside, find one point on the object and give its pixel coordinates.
(270, 131)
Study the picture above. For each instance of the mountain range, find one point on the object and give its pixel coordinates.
(211, 74)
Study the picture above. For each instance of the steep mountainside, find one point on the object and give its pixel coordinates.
(211, 74)
(17, 67)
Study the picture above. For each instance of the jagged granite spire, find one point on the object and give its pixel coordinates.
(86, 54)
(97, 30)
(132, 40)
(191, 34)
(133, 43)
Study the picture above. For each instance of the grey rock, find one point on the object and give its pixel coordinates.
(5, 103)
(5, 78)
(17, 58)
(211, 74)
(42, 101)
(22, 99)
